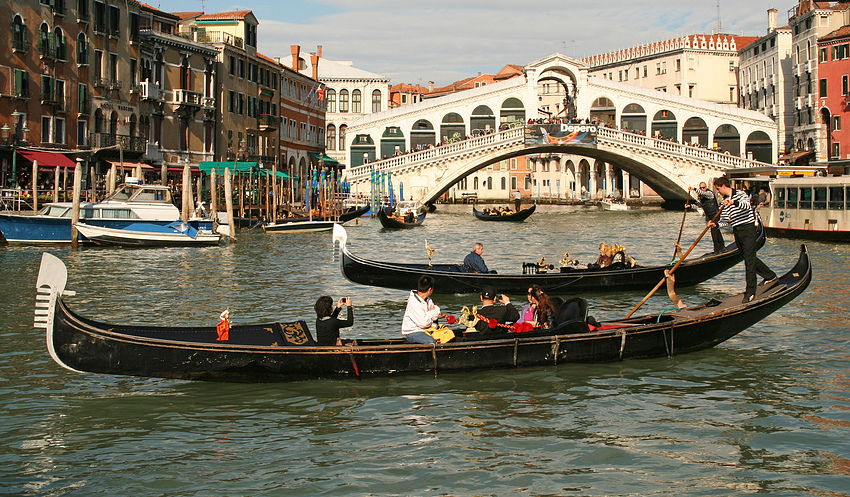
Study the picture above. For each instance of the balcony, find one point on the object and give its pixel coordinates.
(19, 43)
(22, 93)
(82, 17)
(208, 103)
(135, 89)
(186, 98)
(268, 122)
(125, 142)
(150, 91)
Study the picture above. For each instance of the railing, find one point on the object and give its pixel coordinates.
(215, 37)
(186, 97)
(268, 122)
(126, 142)
(606, 138)
(150, 91)
(19, 43)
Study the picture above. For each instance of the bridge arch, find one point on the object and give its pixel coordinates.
(512, 110)
(664, 125)
(633, 118)
(482, 120)
(603, 109)
(695, 131)
(392, 141)
(728, 139)
(422, 134)
(452, 127)
(760, 146)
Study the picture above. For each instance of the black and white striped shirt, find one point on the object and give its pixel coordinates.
(740, 212)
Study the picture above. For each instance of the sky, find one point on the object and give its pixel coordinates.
(445, 41)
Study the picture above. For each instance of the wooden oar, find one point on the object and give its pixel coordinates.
(681, 259)
(678, 250)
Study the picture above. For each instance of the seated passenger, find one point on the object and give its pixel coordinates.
(327, 320)
(408, 217)
(544, 315)
(501, 314)
(604, 259)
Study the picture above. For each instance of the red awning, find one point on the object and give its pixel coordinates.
(47, 159)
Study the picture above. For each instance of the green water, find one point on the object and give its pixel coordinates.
(766, 412)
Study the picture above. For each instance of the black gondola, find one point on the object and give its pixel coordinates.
(516, 216)
(318, 223)
(452, 278)
(286, 351)
(393, 223)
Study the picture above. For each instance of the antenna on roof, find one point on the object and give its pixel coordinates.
(203, 7)
(718, 16)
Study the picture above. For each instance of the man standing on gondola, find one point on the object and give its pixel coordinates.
(708, 201)
(738, 212)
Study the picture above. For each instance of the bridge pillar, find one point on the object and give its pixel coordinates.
(591, 180)
(609, 186)
(626, 183)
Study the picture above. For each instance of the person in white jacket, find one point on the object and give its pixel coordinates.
(421, 312)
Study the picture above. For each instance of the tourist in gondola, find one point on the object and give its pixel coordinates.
(708, 201)
(528, 310)
(327, 319)
(738, 212)
(604, 259)
(421, 312)
(473, 262)
(544, 314)
(500, 313)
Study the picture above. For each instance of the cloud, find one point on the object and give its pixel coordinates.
(443, 41)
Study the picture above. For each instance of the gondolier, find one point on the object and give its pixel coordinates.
(517, 200)
(738, 213)
(708, 201)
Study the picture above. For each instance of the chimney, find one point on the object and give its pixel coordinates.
(314, 60)
(296, 53)
(319, 51)
(277, 60)
(772, 16)
(430, 86)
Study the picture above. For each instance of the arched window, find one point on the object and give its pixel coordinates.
(475, 183)
(60, 43)
(19, 34)
(330, 96)
(343, 100)
(331, 137)
(342, 130)
(82, 50)
(356, 102)
(376, 101)
(504, 183)
(44, 40)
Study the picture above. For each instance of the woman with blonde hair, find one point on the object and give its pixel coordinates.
(605, 254)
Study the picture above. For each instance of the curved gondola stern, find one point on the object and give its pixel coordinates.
(340, 238)
(50, 285)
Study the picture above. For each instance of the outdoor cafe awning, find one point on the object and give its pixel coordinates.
(325, 159)
(280, 174)
(208, 166)
(134, 165)
(47, 159)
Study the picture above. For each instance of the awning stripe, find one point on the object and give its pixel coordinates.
(51, 159)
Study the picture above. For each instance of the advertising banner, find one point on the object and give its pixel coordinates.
(560, 134)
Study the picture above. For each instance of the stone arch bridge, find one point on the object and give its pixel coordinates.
(668, 141)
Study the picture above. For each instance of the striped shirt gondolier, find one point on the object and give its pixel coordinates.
(740, 212)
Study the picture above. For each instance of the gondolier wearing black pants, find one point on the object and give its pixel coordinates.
(738, 212)
(708, 201)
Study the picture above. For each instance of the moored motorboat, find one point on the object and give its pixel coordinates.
(130, 203)
(142, 234)
(287, 351)
(453, 278)
(514, 217)
(614, 204)
(390, 222)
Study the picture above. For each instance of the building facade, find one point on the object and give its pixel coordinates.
(349, 94)
(697, 66)
(766, 85)
(809, 21)
(834, 91)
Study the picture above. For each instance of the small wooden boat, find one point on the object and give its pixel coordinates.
(453, 278)
(515, 217)
(142, 234)
(298, 224)
(318, 223)
(390, 222)
(287, 351)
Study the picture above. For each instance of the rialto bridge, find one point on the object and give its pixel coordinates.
(668, 141)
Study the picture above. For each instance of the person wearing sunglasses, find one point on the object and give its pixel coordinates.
(708, 201)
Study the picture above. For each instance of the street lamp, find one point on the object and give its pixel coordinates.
(17, 137)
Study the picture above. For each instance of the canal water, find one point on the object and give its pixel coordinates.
(766, 412)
